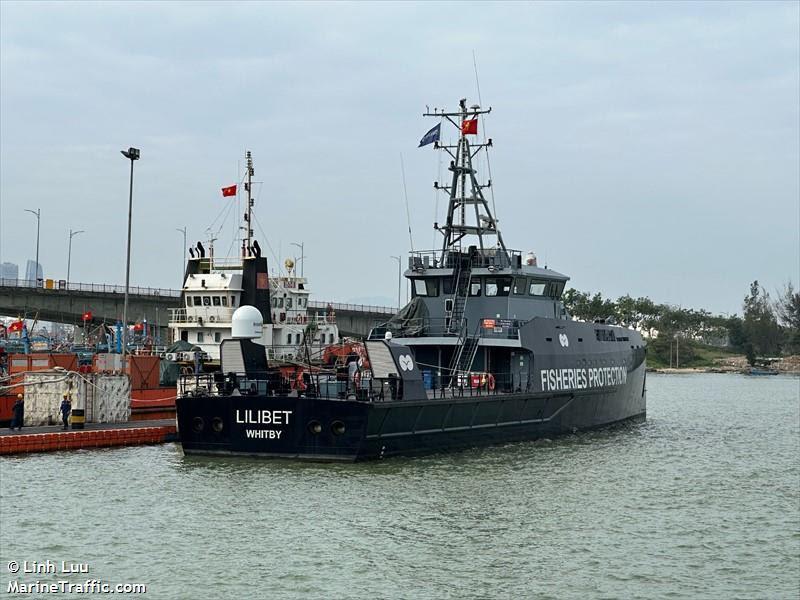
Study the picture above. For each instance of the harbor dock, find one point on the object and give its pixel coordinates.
(95, 435)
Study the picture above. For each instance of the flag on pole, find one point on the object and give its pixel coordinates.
(431, 136)
(15, 326)
(87, 316)
(469, 126)
(229, 191)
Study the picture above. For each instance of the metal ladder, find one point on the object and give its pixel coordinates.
(460, 293)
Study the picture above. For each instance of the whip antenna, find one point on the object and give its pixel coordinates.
(405, 193)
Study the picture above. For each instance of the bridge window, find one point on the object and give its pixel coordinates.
(224, 301)
(233, 300)
(206, 300)
(555, 288)
(200, 337)
(280, 302)
(519, 286)
(215, 300)
(289, 338)
(188, 300)
(198, 301)
(537, 288)
(289, 302)
(217, 336)
(475, 288)
(498, 286)
(426, 287)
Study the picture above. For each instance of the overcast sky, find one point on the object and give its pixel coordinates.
(647, 149)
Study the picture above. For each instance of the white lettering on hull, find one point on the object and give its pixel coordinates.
(263, 434)
(263, 417)
(579, 379)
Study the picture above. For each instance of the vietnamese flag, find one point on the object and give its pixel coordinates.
(16, 326)
(229, 191)
(469, 126)
(87, 316)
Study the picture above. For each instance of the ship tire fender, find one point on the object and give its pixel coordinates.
(490, 382)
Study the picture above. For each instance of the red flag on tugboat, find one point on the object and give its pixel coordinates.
(469, 126)
(229, 191)
(87, 316)
(15, 326)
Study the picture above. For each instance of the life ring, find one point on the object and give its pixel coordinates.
(212, 318)
(490, 382)
(190, 319)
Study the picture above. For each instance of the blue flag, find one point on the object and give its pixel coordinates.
(431, 136)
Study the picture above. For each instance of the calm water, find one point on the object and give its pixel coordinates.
(702, 501)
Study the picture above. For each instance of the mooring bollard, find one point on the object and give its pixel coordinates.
(78, 418)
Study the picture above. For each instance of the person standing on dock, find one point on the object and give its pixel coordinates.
(18, 413)
(66, 409)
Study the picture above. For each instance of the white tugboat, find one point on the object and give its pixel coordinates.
(215, 287)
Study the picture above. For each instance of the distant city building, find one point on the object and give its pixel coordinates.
(33, 271)
(9, 271)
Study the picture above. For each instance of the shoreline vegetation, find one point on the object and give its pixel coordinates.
(687, 340)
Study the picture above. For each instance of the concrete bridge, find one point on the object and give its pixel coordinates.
(60, 302)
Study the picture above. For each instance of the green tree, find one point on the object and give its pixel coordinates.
(760, 324)
(787, 310)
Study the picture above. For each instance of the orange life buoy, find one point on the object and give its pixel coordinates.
(490, 381)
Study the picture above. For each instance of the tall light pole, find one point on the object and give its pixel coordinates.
(302, 257)
(183, 267)
(399, 279)
(132, 154)
(38, 213)
(72, 234)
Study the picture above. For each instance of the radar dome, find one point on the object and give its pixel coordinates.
(247, 323)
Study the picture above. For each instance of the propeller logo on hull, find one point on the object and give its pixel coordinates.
(563, 340)
(406, 362)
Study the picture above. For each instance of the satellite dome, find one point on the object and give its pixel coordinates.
(247, 323)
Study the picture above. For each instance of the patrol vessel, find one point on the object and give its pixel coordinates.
(485, 352)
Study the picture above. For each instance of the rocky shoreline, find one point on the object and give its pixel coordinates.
(789, 365)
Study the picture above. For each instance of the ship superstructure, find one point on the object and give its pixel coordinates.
(472, 298)
(215, 287)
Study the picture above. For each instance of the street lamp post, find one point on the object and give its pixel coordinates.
(72, 234)
(301, 245)
(399, 279)
(131, 154)
(183, 266)
(38, 214)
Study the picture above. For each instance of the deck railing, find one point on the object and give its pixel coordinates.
(449, 259)
(489, 328)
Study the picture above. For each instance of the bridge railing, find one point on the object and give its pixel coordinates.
(100, 288)
(103, 288)
(368, 308)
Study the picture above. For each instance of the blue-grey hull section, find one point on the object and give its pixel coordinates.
(349, 430)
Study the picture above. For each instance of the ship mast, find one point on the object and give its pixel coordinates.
(464, 190)
(248, 216)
